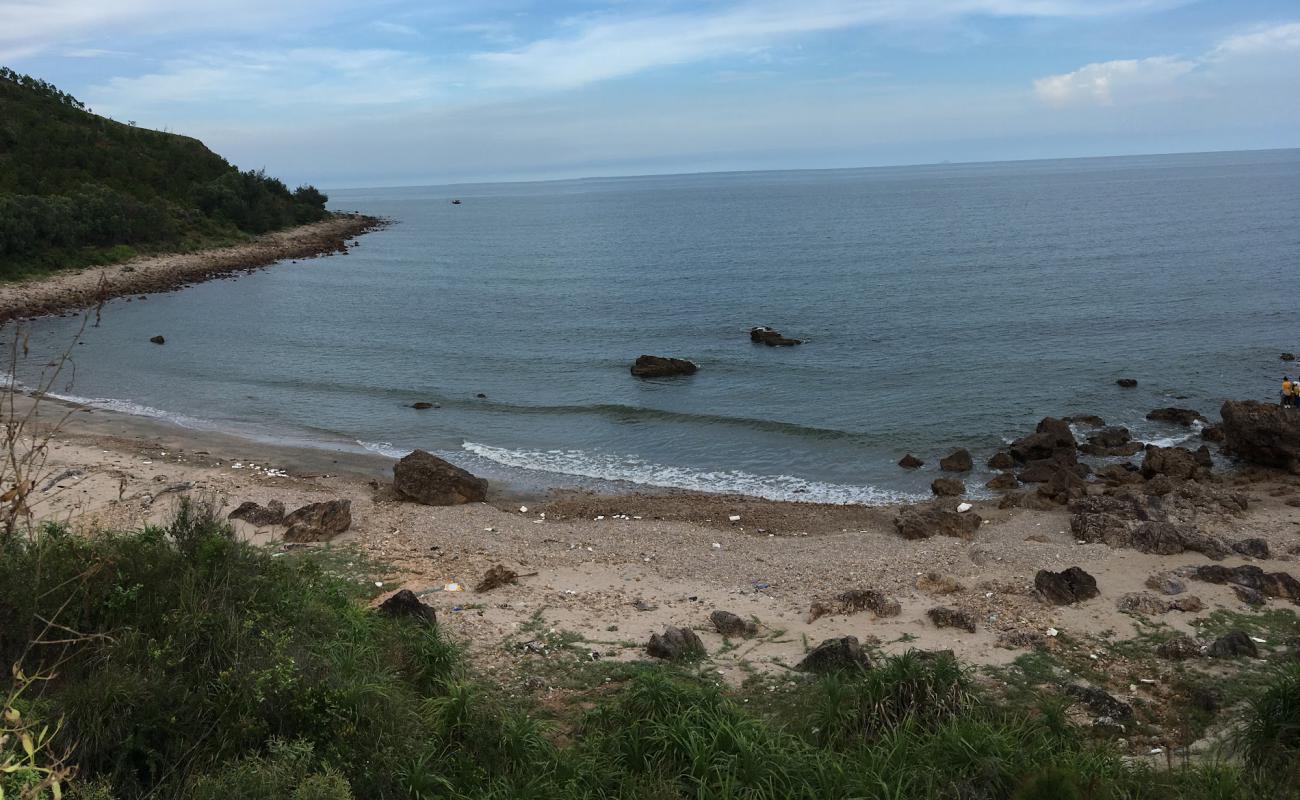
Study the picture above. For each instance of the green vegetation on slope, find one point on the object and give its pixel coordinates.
(181, 663)
(77, 188)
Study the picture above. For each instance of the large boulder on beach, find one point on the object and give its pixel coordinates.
(1067, 587)
(922, 522)
(259, 515)
(948, 487)
(661, 367)
(1177, 463)
(404, 604)
(318, 522)
(1262, 433)
(675, 644)
(834, 655)
(427, 479)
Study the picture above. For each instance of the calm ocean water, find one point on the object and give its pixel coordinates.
(943, 306)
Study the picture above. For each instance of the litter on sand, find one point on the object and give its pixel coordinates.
(964, 507)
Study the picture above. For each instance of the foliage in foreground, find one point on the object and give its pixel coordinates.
(181, 663)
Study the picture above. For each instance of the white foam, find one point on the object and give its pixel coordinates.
(134, 409)
(386, 449)
(635, 470)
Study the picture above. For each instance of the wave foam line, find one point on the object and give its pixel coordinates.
(635, 470)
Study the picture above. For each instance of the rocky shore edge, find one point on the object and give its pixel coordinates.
(74, 290)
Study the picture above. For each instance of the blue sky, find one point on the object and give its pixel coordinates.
(394, 92)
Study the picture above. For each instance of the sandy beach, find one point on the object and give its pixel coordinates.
(76, 289)
(611, 570)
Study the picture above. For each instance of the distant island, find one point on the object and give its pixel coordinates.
(78, 189)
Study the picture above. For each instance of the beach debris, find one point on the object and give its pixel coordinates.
(258, 515)
(497, 575)
(947, 487)
(150, 499)
(157, 340)
(733, 518)
(62, 476)
(729, 624)
(854, 601)
(962, 508)
(641, 605)
(318, 522)
(404, 604)
(1233, 644)
(834, 655)
(427, 479)
(770, 337)
(910, 461)
(675, 644)
(957, 461)
(662, 367)
(1021, 638)
(944, 617)
(1099, 702)
(453, 587)
(1072, 585)
(922, 522)
(717, 545)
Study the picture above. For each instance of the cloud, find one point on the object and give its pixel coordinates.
(397, 28)
(603, 47)
(1099, 83)
(1162, 77)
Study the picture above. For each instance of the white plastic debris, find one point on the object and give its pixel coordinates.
(717, 546)
(453, 587)
(1259, 640)
(734, 518)
(1052, 631)
(599, 517)
(523, 509)
(964, 507)
(1155, 751)
(379, 584)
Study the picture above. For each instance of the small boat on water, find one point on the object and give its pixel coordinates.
(455, 202)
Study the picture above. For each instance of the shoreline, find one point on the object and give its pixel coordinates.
(77, 289)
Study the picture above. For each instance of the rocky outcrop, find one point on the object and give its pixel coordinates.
(1176, 462)
(1067, 587)
(405, 605)
(948, 487)
(729, 624)
(1150, 605)
(1252, 547)
(910, 461)
(1001, 460)
(1113, 441)
(1262, 433)
(254, 514)
(427, 479)
(318, 522)
(661, 367)
(1051, 438)
(1281, 585)
(835, 655)
(1002, 482)
(957, 461)
(944, 617)
(922, 522)
(675, 644)
(1177, 416)
(772, 338)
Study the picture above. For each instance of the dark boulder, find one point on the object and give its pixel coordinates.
(1120, 474)
(1002, 482)
(922, 522)
(1233, 644)
(957, 461)
(157, 340)
(421, 406)
(948, 487)
(729, 624)
(405, 605)
(1212, 433)
(318, 522)
(675, 644)
(1091, 420)
(772, 338)
(270, 514)
(1288, 356)
(1253, 547)
(944, 617)
(1262, 433)
(660, 367)
(1179, 648)
(1113, 436)
(1051, 437)
(1100, 703)
(1126, 383)
(1064, 588)
(1177, 416)
(1175, 462)
(427, 479)
(1001, 460)
(910, 461)
(1158, 538)
(834, 655)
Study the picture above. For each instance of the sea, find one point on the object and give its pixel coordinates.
(941, 306)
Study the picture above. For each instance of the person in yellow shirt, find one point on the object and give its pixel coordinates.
(1290, 391)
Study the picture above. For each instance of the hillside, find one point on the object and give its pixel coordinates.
(77, 188)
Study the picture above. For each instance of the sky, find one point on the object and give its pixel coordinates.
(403, 92)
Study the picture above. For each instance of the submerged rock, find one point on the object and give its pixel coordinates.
(957, 461)
(1050, 440)
(1262, 433)
(1126, 383)
(427, 479)
(1175, 462)
(157, 340)
(910, 461)
(661, 367)
(1177, 416)
(770, 337)
(1001, 460)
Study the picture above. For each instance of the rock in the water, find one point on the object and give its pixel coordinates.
(1212, 433)
(405, 604)
(948, 487)
(729, 624)
(1001, 460)
(1126, 383)
(834, 655)
(157, 340)
(1262, 433)
(922, 522)
(944, 617)
(1091, 420)
(675, 644)
(1179, 648)
(1232, 645)
(660, 367)
(957, 461)
(1051, 438)
(1288, 356)
(1178, 416)
(427, 479)
(1254, 547)
(270, 514)
(1072, 585)
(910, 461)
(421, 406)
(1004, 481)
(318, 522)
(1166, 583)
(1099, 702)
(772, 338)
